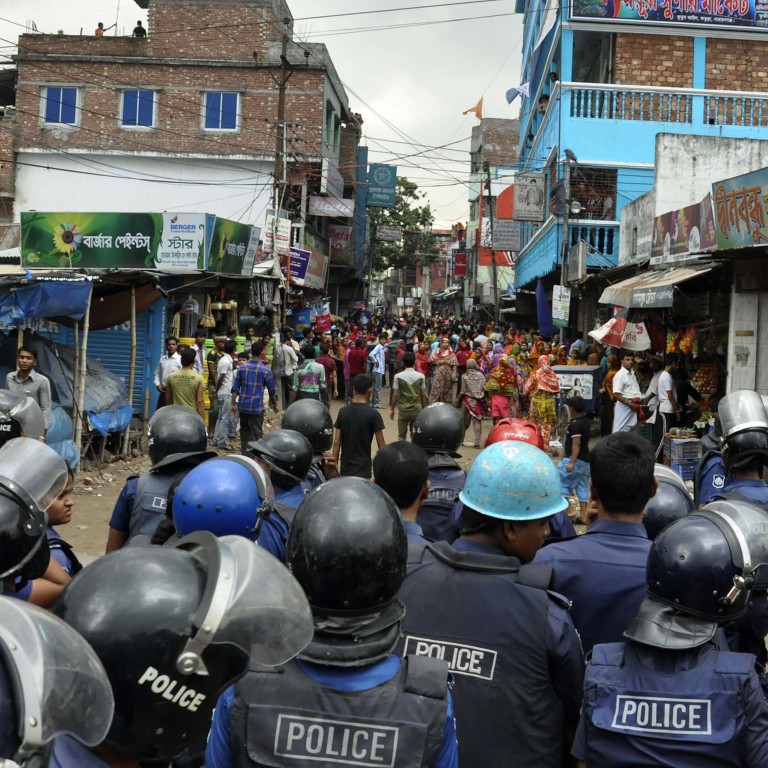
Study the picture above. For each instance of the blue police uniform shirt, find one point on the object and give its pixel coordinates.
(70, 753)
(121, 514)
(274, 531)
(314, 478)
(603, 573)
(59, 555)
(414, 534)
(689, 708)
(218, 752)
(711, 478)
(560, 526)
(755, 491)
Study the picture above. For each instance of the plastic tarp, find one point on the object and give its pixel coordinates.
(43, 299)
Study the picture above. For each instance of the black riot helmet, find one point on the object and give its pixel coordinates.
(51, 683)
(347, 546)
(671, 502)
(701, 572)
(32, 475)
(175, 429)
(439, 428)
(173, 626)
(313, 419)
(288, 454)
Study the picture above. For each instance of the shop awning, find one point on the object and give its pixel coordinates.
(651, 290)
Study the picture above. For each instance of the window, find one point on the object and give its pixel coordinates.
(220, 111)
(60, 105)
(138, 109)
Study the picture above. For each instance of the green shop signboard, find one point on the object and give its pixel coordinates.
(232, 250)
(164, 241)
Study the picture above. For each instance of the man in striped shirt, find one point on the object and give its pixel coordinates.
(250, 381)
(309, 381)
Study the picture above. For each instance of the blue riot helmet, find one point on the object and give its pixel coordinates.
(226, 495)
(701, 572)
(745, 429)
(671, 501)
(511, 480)
(51, 684)
(174, 626)
(32, 475)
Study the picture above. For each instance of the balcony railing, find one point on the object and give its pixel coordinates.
(602, 237)
(667, 105)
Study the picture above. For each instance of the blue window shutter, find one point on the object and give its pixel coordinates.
(229, 111)
(146, 108)
(129, 107)
(69, 105)
(52, 105)
(213, 110)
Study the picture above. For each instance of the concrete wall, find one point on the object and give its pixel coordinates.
(637, 229)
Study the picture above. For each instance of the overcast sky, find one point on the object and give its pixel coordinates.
(410, 84)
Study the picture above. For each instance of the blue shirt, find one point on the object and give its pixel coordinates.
(218, 754)
(70, 753)
(121, 514)
(603, 573)
(755, 491)
(414, 534)
(249, 383)
(274, 532)
(59, 555)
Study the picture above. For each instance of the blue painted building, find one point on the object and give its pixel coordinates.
(605, 77)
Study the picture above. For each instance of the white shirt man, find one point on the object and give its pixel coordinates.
(667, 400)
(625, 391)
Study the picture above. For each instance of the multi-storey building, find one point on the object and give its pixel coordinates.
(604, 79)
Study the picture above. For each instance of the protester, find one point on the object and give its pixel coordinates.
(444, 373)
(541, 387)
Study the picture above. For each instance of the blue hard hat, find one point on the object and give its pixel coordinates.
(226, 495)
(511, 480)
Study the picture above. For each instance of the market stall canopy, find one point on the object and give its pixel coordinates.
(651, 290)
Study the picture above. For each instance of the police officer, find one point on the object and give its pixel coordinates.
(177, 442)
(560, 525)
(711, 476)
(313, 419)
(670, 695)
(173, 626)
(287, 457)
(347, 700)
(670, 502)
(603, 571)
(509, 641)
(228, 495)
(745, 446)
(439, 430)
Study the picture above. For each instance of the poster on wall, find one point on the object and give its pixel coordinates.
(230, 242)
(163, 241)
(741, 210)
(561, 305)
(529, 197)
(684, 234)
(340, 241)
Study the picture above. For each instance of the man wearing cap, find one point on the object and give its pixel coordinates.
(574, 467)
(603, 571)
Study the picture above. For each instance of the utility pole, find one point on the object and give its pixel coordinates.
(494, 268)
(567, 190)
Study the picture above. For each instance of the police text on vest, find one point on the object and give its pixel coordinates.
(653, 714)
(181, 695)
(331, 741)
(466, 660)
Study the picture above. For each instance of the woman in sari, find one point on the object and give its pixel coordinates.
(463, 353)
(422, 361)
(561, 358)
(502, 385)
(537, 350)
(483, 358)
(496, 354)
(443, 373)
(542, 387)
(471, 396)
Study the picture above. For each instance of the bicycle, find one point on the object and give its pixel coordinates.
(562, 415)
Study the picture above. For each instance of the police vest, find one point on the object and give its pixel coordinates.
(150, 503)
(635, 715)
(475, 612)
(439, 516)
(283, 717)
(710, 477)
(736, 491)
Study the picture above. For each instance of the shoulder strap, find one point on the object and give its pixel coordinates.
(729, 663)
(736, 496)
(426, 676)
(608, 655)
(66, 548)
(538, 575)
(473, 561)
(285, 512)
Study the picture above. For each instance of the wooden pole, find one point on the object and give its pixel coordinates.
(132, 369)
(75, 367)
(82, 372)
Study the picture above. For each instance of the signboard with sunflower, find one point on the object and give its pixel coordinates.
(233, 249)
(171, 242)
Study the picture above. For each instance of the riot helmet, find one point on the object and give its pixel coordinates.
(313, 419)
(515, 429)
(745, 429)
(288, 454)
(701, 572)
(173, 626)
(712, 441)
(512, 480)
(671, 501)
(172, 430)
(347, 546)
(32, 475)
(225, 495)
(17, 407)
(439, 428)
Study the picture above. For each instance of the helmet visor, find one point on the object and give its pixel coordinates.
(61, 686)
(268, 615)
(37, 469)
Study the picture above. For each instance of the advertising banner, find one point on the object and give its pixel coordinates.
(163, 241)
(529, 197)
(316, 270)
(674, 13)
(282, 230)
(299, 263)
(340, 241)
(381, 185)
(561, 305)
(459, 264)
(740, 210)
(230, 242)
(506, 235)
(684, 234)
(389, 234)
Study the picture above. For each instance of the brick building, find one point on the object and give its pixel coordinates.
(186, 118)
